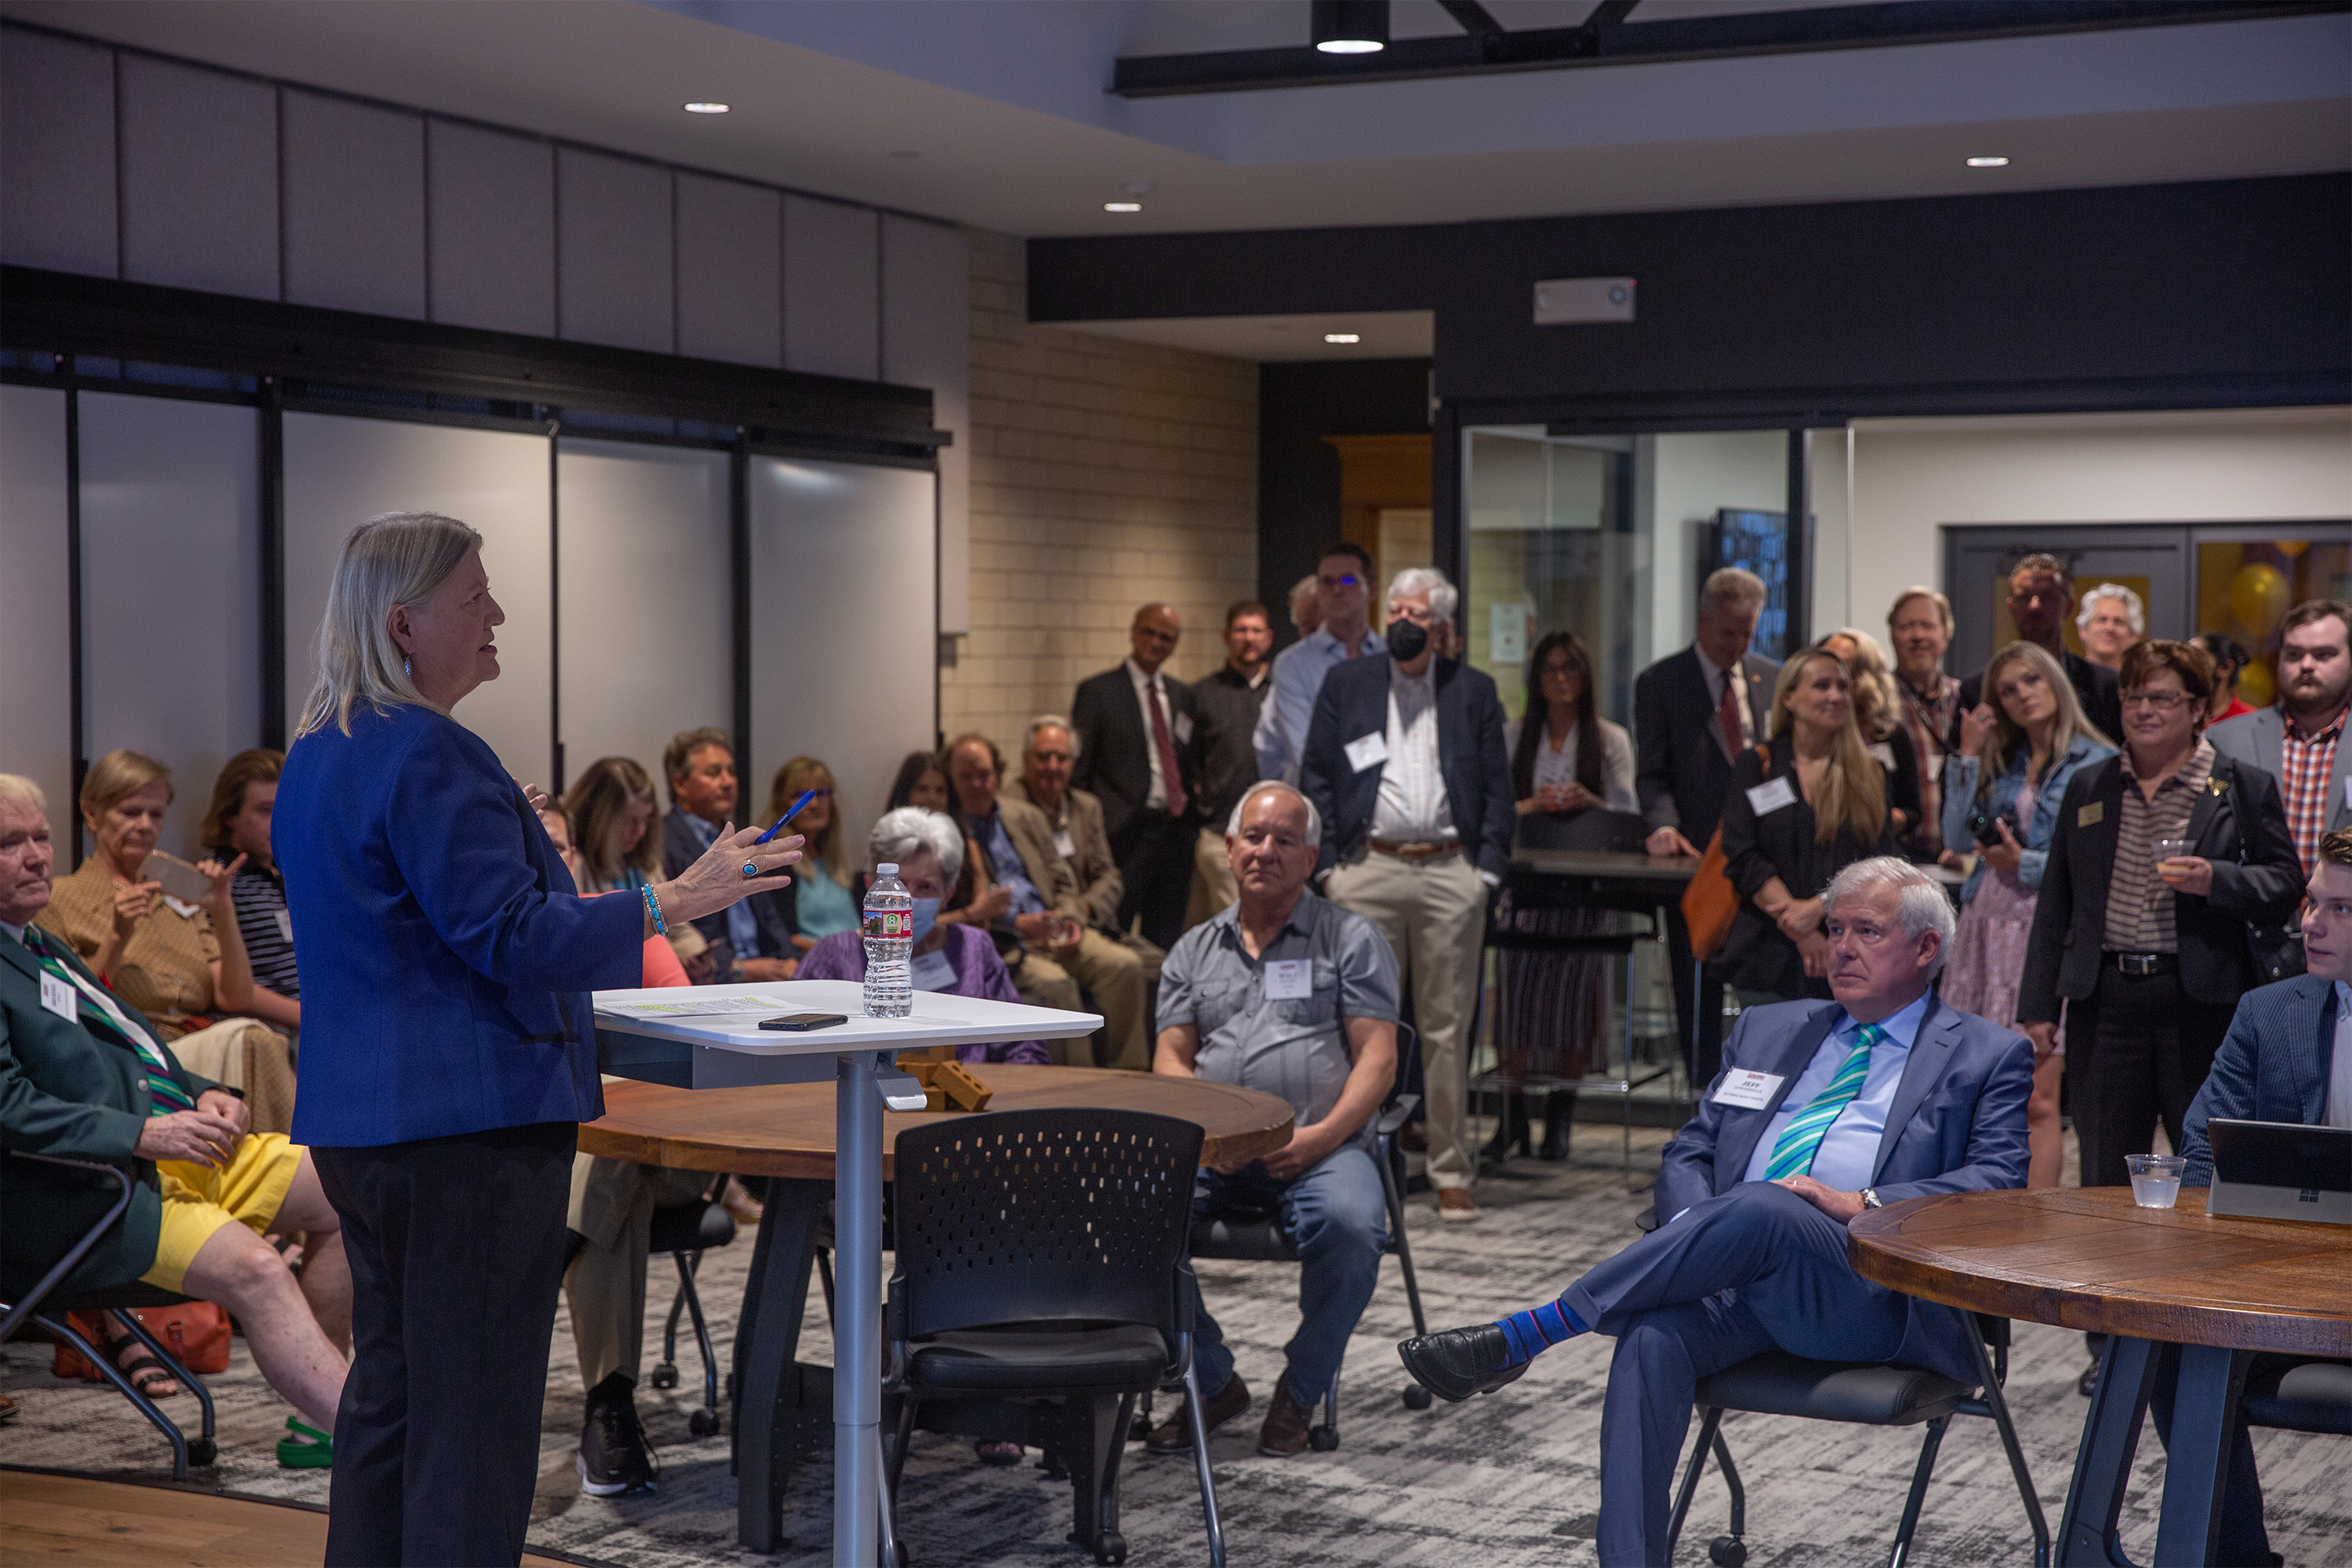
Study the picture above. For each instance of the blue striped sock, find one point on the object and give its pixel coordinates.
(1537, 1330)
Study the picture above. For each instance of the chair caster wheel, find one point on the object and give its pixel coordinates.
(1726, 1551)
(703, 1422)
(1111, 1548)
(1416, 1397)
(665, 1375)
(203, 1450)
(1322, 1440)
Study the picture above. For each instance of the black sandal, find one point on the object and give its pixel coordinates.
(144, 1370)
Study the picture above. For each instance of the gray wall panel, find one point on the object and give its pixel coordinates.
(927, 341)
(832, 288)
(354, 206)
(35, 628)
(730, 272)
(56, 155)
(492, 203)
(199, 179)
(615, 282)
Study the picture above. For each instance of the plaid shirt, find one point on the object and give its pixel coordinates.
(2305, 768)
(1929, 723)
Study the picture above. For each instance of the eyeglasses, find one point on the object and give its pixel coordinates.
(2162, 701)
(1335, 583)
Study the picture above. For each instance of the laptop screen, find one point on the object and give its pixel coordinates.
(2276, 1154)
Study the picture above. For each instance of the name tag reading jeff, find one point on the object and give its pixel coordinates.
(1770, 796)
(1368, 751)
(58, 996)
(1289, 980)
(1747, 1089)
(2091, 814)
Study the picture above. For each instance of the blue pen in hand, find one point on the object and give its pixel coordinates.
(806, 796)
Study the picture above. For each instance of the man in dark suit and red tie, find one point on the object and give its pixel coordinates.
(1136, 755)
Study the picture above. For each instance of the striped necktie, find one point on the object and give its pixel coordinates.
(164, 1094)
(1802, 1138)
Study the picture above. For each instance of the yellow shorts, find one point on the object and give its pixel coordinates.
(198, 1200)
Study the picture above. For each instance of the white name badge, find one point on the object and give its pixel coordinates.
(1770, 796)
(1747, 1089)
(1368, 751)
(2348, 792)
(58, 996)
(1183, 729)
(186, 912)
(1289, 980)
(285, 927)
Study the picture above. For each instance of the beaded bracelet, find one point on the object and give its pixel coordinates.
(653, 909)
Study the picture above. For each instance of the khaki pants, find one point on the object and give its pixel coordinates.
(1434, 913)
(613, 1205)
(1112, 974)
(1213, 888)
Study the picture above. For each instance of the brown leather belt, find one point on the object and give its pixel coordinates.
(1418, 849)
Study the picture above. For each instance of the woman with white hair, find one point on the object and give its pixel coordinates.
(958, 960)
(2112, 618)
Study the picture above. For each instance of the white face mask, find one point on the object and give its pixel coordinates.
(925, 916)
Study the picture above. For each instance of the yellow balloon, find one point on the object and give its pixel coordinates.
(2292, 549)
(2258, 596)
(2256, 687)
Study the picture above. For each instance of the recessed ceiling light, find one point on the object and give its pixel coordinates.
(1989, 161)
(706, 108)
(1122, 206)
(1351, 45)
(1348, 27)
(1343, 338)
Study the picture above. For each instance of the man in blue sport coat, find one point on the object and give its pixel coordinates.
(1822, 1110)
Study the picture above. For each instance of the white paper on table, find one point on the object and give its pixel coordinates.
(695, 1007)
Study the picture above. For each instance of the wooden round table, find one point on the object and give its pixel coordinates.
(2088, 1257)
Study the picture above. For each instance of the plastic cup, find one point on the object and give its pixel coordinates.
(2170, 850)
(2155, 1179)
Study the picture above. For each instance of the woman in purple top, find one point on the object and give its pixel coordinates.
(959, 960)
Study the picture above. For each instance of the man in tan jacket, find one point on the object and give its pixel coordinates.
(1034, 893)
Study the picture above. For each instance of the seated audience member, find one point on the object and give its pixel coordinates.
(2018, 752)
(237, 823)
(2230, 657)
(746, 940)
(825, 900)
(611, 809)
(2110, 620)
(1878, 714)
(1048, 753)
(1815, 805)
(2287, 1058)
(923, 781)
(93, 1078)
(662, 966)
(1229, 1014)
(1750, 1253)
(955, 959)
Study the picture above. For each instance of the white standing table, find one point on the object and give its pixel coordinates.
(727, 1050)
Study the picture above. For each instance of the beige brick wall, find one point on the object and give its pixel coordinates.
(1105, 475)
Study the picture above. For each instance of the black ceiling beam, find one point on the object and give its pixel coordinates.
(1804, 31)
(1609, 13)
(1473, 16)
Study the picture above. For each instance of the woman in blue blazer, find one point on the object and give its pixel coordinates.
(448, 1048)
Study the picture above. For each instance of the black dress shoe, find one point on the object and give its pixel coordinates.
(1455, 1363)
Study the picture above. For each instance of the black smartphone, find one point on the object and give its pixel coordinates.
(801, 1023)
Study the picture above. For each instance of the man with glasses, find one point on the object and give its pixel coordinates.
(2299, 740)
(2041, 598)
(1344, 595)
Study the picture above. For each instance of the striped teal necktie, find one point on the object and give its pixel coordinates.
(1802, 1138)
(164, 1094)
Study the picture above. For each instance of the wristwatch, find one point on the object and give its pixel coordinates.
(1870, 1198)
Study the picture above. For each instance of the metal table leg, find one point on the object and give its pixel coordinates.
(2197, 1461)
(857, 1321)
(2094, 1496)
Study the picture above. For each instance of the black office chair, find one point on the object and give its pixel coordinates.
(1261, 1237)
(120, 1303)
(686, 1231)
(2299, 1395)
(1039, 1284)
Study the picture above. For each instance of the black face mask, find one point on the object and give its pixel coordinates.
(1406, 640)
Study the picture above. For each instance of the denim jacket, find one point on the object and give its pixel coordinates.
(1960, 803)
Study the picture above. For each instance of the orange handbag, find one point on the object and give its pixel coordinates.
(195, 1332)
(1711, 903)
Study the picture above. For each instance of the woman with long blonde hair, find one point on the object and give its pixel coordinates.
(1801, 809)
(612, 808)
(827, 880)
(1878, 714)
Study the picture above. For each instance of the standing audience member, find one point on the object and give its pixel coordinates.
(1920, 625)
(701, 768)
(237, 824)
(2041, 598)
(1064, 955)
(1343, 596)
(1134, 727)
(1565, 759)
(825, 900)
(2163, 857)
(1877, 713)
(1405, 764)
(1694, 713)
(2299, 740)
(1049, 755)
(1305, 609)
(2111, 619)
(1814, 804)
(2230, 657)
(1331, 1053)
(1228, 704)
(2003, 787)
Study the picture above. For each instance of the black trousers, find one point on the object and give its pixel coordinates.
(1699, 1028)
(456, 1255)
(2137, 1050)
(1154, 851)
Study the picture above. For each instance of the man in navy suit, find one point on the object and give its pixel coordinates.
(1405, 764)
(1822, 1110)
(2287, 1058)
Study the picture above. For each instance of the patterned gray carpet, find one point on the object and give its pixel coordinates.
(1507, 1479)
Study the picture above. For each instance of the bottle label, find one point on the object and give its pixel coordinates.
(890, 923)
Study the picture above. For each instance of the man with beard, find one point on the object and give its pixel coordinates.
(2299, 740)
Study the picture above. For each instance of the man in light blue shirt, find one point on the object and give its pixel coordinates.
(1822, 1110)
(1344, 580)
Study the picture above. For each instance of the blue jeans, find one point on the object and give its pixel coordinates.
(1336, 1215)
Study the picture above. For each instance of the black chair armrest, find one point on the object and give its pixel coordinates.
(1398, 1111)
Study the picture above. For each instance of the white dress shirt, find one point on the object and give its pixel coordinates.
(1848, 1154)
(1144, 685)
(2338, 1112)
(1715, 679)
(1280, 738)
(1412, 804)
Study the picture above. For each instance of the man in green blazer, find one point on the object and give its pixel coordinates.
(83, 1077)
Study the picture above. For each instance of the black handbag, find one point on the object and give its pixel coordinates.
(2277, 951)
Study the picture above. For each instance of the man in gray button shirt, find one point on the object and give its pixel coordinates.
(1296, 996)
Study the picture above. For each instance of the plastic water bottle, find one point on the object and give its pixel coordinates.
(889, 941)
